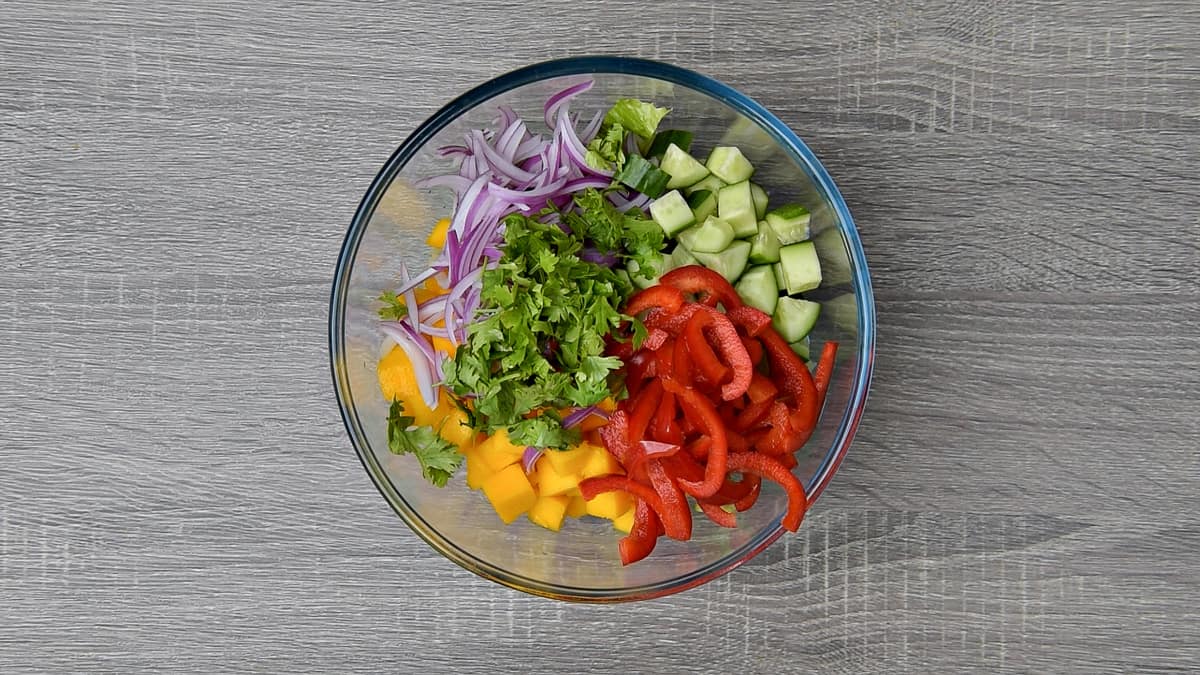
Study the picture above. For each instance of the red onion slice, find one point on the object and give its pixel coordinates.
(529, 458)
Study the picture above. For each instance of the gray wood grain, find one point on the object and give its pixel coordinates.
(176, 489)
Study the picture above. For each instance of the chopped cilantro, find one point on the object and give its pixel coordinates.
(439, 459)
(393, 307)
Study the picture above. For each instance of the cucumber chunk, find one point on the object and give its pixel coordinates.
(681, 257)
(680, 138)
(801, 267)
(683, 168)
(712, 236)
(703, 204)
(710, 183)
(671, 212)
(729, 263)
(802, 347)
(779, 280)
(794, 318)
(764, 247)
(729, 164)
(659, 267)
(735, 205)
(758, 289)
(643, 176)
(760, 200)
(790, 223)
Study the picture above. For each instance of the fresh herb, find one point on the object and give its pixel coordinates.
(439, 459)
(393, 307)
(606, 151)
(637, 116)
(538, 342)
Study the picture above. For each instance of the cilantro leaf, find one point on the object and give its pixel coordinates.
(393, 307)
(606, 151)
(637, 116)
(439, 459)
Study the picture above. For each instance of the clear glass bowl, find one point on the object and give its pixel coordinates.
(391, 224)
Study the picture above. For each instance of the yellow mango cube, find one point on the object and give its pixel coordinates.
(600, 463)
(550, 482)
(498, 453)
(509, 492)
(609, 504)
(477, 471)
(454, 427)
(624, 522)
(437, 238)
(549, 512)
(571, 461)
(576, 506)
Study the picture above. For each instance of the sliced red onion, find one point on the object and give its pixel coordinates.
(557, 101)
(501, 166)
(589, 132)
(423, 370)
(529, 458)
(507, 116)
(593, 256)
(526, 200)
(578, 415)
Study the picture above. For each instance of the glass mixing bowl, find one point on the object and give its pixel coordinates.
(581, 562)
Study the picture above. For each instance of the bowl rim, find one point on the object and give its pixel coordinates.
(788, 140)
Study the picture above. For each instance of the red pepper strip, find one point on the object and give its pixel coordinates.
(728, 342)
(754, 348)
(752, 415)
(791, 374)
(754, 320)
(640, 455)
(676, 517)
(719, 515)
(699, 447)
(737, 442)
(731, 490)
(747, 501)
(667, 298)
(672, 323)
(761, 388)
(684, 466)
(825, 369)
(642, 536)
(590, 487)
(781, 439)
(705, 416)
(615, 436)
(621, 349)
(698, 279)
(772, 469)
(665, 355)
(788, 461)
(664, 427)
(655, 338)
(682, 363)
(644, 408)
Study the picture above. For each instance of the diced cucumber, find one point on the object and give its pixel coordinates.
(735, 205)
(660, 266)
(682, 167)
(802, 347)
(760, 200)
(710, 183)
(758, 289)
(703, 203)
(794, 318)
(764, 247)
(712, 236)
(790, 223)
(801, 267)
(779, 280)
(729, 164)
(680, 138)
(681, 257)
(671, 212)
(643, 176)
(729, 263)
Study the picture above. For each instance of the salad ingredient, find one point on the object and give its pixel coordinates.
(789, 223)
(666, 138)
(703, 204)
(794, 318)
(672, 213)
(729, 164)
(510, 492)
(712, 236)
(642, 176)
(735, 203)
(683, 168)
(438, 457)
(757, 288)
(801, 267)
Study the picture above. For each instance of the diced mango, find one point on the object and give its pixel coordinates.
(509, 492)
(397, 381)
(498, 453)
(454, 427)
(443, 345)
(600, 463)
(551, 482)
(576, 507)
(570, 461)
(609, 504)
(624, 522)
(437, 238)
(477, 471)
(549, 512)
(608, 405)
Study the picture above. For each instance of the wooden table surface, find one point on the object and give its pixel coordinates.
(178, 493)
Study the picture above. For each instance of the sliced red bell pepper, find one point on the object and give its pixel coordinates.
(683, 466)
(772, 469)
(710, 324)
(590, 487)
(752, 415)
(791, 374)
(682, 370)
(642, 537)
(655, 338)
(704, 415)
(782, 437)
(754, 348)
(699, 448)
(752, 319)
(751, 495)
(667, 298)
(737, 442)
(615, 436)
(675, 515)
(761, 389)
(702, 281)
(703, 356)
(665, 428)
(644, 407)
(825, 369)
(718, 515)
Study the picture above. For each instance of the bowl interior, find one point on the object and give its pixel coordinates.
(581, 561)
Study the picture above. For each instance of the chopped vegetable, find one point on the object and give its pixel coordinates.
(438, 457)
